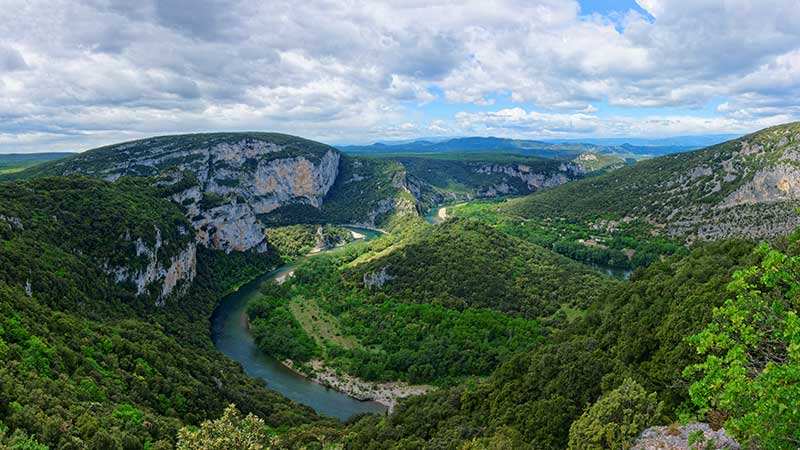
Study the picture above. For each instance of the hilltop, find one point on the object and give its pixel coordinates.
(743, 187)
(233, 186)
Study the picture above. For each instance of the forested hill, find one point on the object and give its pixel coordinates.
(88, 360)
(638, 331)
(463, 263)
(744, 187)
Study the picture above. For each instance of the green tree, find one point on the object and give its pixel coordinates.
(232, 431)
(616, 419)
(751, 373)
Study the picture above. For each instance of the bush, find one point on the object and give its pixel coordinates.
(615, 419)
(231, 431)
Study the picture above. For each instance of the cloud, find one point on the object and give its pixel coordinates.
(94, 70)
(517, 122)
(11, 60)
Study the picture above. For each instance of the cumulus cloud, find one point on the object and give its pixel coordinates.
(79, 73)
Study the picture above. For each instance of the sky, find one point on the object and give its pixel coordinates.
(76, 74)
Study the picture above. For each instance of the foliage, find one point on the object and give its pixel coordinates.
(465, 174)
(682, 191)
(416, 342)
(405, 334)
(636, 330)
(752, 370)
(462, 263)
(292, 241)
(621, 244)
(277, 332)
(232, 431)
(84, 362)
(616, 419)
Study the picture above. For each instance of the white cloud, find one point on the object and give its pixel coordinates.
(517, 122)
(107, 69)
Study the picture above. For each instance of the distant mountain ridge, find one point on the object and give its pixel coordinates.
(561, 149)
(696, 141)
(15, 162)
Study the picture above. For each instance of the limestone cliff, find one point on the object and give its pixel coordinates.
(745, 187)
(165, 272)
(225, 202)
(224, 180)
(748, 187)
(533, 179)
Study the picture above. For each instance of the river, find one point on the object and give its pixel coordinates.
(230, 335)
(616, 272)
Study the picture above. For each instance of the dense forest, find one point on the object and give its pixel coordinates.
(106, 295)
(625, 244)
(87, 363)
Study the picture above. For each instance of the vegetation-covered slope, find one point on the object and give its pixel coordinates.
(85, 362)
(124, 231)
(454, 175)
(620, 244)
(432, 306)
(463, 263)
(743, 187)
(636, 331)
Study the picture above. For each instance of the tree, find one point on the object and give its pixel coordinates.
(229, 432)
(751, 374)
(616, 419)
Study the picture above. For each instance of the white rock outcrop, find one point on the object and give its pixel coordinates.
(178, 270)
(376, 280)
(533, 179)
(234, 183)
(676, 437)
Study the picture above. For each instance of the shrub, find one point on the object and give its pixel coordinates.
(616, 419)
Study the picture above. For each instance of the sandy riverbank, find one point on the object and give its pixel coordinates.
(385, 393)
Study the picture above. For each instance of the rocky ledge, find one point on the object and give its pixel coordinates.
(685, 437)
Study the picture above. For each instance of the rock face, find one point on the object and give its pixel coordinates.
(747, 187)
(678, 437)
(751, 190)
(376, 280)
(224, 181)
(224, 204)
(532, 179)
(176, 271)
